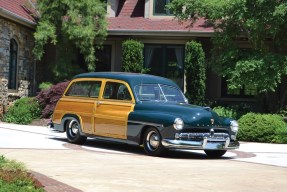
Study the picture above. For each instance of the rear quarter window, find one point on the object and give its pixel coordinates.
(84, 89)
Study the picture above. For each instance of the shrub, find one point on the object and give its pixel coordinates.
(48, 98)
(225, 112)
(262, 128)
(14, 177)
(195, 70)
(133, 57)
(232, 111)
(45, 85)
(23, 111)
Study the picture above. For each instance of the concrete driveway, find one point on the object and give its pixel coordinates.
(102, 166)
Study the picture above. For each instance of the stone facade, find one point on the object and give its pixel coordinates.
(3, 95)
(25, 62)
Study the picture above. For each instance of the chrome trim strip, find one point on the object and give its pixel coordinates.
(146, 123)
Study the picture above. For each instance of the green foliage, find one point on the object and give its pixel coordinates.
(23, 111)
(45, 85)
(225, 112)
(233, 112)
(66, 63)
(133, 56)
(262, 128)
(195, 70)
(82, 22)
(260, 24)
(11, 165)
(13, 177)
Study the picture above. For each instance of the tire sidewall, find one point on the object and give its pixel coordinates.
(215, 153)
(74, 138)
(160, 150)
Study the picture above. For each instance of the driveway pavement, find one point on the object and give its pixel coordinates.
(102, 166)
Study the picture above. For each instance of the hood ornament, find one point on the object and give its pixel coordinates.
(212, 121)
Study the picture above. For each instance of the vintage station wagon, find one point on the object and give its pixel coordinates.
(140, 109)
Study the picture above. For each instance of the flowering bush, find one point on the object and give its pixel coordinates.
(48, 98)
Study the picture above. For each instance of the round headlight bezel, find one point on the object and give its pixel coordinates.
(234, 126)
(178, 124)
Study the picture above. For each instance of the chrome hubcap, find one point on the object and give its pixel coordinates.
(152, 140)
(74, 128)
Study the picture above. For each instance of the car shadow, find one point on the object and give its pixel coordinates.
(93, 145)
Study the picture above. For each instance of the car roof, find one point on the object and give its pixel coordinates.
(131, 78)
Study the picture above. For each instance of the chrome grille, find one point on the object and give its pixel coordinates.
(201, 136)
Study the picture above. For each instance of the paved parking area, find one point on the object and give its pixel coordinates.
(102, 166)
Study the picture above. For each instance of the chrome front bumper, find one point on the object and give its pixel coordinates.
(201, 142)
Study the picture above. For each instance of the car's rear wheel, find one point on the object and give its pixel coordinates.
(152, 142)
(73, 132)
(215, 153)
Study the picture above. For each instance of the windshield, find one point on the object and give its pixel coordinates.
(159, 93)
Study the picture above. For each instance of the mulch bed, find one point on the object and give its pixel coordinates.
(40, 122)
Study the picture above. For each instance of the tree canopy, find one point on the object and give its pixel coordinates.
(250, 38)
(82, 22)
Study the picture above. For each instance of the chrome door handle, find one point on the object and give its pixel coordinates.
(99, 102)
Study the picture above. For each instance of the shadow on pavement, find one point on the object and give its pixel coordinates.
(114, 147)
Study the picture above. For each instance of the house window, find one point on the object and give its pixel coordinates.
(12, 82)
(166, 61)
(244, 92)
(104, 57)
(159, 7)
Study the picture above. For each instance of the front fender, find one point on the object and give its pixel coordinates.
(138, 121)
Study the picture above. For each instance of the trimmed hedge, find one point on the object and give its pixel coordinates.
(133, 60)
(266, 128)
(195, 72)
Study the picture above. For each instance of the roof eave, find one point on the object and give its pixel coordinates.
(16, 18)
(171, 33)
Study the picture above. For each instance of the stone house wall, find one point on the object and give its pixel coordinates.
(25, 62)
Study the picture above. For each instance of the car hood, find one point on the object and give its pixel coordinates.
(192, 115)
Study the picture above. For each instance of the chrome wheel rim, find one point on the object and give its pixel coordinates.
(74, 128)
(152, 140)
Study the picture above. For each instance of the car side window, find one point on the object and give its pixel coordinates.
(117, 91)
(95, 89)
(84, 89)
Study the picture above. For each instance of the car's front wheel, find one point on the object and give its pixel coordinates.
(152, 142)
(215, 153)
(73, 132)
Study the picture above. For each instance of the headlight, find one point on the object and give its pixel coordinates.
(178, 124)
(234, 126)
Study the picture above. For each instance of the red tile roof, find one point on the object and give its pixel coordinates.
(18, 8)
(145, 24)
(130, 17)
